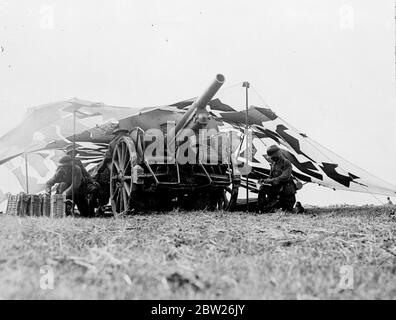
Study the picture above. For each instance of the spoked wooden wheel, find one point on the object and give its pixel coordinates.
(121, 186)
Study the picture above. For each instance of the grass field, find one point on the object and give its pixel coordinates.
(202, 255)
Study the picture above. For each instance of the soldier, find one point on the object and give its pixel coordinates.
(278, 190)
(63, 176)
(102, 177)
(88, 186)
(77, 161)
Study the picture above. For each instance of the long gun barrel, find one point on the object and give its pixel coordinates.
(198, 109)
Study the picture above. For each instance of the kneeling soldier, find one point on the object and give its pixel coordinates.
(278, 190)
(63, 176)
(89, 187)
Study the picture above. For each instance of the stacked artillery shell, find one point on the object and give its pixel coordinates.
(58, 206)
(46, 205)
(35, 205)
(24, 204)
(13, 204)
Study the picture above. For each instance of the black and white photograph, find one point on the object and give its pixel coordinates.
(209, 151)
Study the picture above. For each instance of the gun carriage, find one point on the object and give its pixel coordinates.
(150, 170)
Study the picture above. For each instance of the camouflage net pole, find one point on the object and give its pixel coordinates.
(73, 159)
(27, 173)
(246, 85)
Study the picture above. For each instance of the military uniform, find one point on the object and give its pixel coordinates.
(87, 177)
(89, 186)
(102, 177)
(278, 191)
(63, 176)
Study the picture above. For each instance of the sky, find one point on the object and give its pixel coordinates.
(325, 66)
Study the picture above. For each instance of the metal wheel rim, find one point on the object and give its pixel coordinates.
(123, 160)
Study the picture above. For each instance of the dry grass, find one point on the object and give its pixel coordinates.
(202, 255)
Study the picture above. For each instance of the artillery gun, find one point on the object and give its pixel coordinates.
(174, 158)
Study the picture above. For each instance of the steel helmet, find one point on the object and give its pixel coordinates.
(272, 150)
(65, 160)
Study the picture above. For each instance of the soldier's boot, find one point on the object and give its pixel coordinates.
(287, 203)
(264, 200)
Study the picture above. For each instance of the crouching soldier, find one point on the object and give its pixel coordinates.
(66, 185)
(89, 187)
(102, 177)
(278, 190)
(85, 174)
